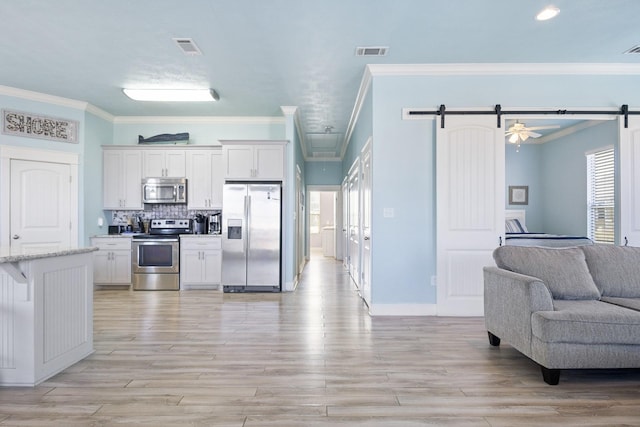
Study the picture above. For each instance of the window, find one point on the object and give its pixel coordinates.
(600, 196)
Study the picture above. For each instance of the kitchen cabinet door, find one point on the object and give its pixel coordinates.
(205, 179)
(212, 266)
(190, 266)
(102, 266)
(200, 262)
(238, 161)
(254, 161)
(164, 163)
(112, 261)
(269, 162)
(122, 176)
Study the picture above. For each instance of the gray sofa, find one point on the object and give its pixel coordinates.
(566, 308)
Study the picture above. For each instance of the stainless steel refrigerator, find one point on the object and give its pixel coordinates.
(251, 236)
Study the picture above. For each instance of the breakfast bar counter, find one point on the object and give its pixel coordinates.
(46, 313)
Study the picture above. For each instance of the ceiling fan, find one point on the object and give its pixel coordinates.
(519, 132)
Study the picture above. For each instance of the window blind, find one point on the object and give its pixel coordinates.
(600, 196)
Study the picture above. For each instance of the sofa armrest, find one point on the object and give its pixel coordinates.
(509, 300)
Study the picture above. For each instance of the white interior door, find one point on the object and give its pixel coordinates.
(345, 224)
(366, 224)
(470, 209)
(354, 225)
(629, 163)
(40, 213)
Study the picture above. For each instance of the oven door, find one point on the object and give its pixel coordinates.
(156, 256)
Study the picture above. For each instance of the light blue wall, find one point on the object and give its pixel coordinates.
(323, 173)
(403, 248)
(98, 132)
(523, 167)
(47, 109)
(564, 177)
(209, 132)
(361, 133)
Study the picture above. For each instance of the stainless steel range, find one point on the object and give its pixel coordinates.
(156, 256)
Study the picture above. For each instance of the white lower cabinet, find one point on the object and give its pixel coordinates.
(200, 262)
(112, 261)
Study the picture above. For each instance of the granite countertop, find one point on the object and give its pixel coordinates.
(7, 255)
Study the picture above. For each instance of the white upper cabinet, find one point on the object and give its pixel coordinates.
(164, 163)
(251, 160)
(122, 177)
(205, 177)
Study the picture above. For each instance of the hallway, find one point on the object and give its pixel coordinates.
(313, 357)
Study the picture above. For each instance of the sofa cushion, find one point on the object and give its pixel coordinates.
(586, 322)
(563, 270)
(630, 303)
(615, 269)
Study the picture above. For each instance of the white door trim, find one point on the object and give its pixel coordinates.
(9, 152)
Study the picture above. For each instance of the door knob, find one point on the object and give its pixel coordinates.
(16, 237)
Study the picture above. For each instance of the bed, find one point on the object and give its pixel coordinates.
(516, 234)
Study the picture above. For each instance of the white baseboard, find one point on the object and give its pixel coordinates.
(290, 286)
(402, 310)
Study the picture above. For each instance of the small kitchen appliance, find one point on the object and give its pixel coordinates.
(214, 223)
(164, 190)
(199, 224)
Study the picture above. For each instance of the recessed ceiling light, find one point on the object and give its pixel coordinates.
(172, 95)
(548, 13)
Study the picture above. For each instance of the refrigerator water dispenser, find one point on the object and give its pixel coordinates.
(235, 229)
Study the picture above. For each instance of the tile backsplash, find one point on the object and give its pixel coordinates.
(156, 211)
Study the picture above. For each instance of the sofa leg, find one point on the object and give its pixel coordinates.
(550, 376)
(493, 340)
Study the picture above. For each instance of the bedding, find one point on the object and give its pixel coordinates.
(546, 240)
(518, 235)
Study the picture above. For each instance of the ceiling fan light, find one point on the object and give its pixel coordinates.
(172, 95)
(547, 13)
(513, 138)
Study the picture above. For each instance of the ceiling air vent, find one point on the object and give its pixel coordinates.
(372, 51)
(635, 49)
(188, 46)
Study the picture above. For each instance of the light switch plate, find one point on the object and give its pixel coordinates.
(388, 212)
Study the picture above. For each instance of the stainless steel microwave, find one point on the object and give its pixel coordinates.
(164, 190)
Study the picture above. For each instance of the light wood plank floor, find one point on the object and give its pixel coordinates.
(309, 358)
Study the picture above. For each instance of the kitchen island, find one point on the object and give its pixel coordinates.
(46, 313)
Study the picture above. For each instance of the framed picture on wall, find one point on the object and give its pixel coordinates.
(518, 194)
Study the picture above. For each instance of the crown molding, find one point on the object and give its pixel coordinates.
(99, 112)
(198, 120)
(42, 97)
(365, 85)
(503, 69)
(55, 100)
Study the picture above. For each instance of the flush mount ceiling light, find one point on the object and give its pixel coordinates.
(547, 13)
(172, 95)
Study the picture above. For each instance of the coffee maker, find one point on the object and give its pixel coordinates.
(215, 225)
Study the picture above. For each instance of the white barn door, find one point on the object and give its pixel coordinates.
(629, 163)
(470, 209)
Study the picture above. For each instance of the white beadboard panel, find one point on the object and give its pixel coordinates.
(629, 162)
(464, 269)
(472, 171)
(7, 326)
(65, 317)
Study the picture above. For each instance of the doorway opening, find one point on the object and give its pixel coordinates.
(323, 205)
